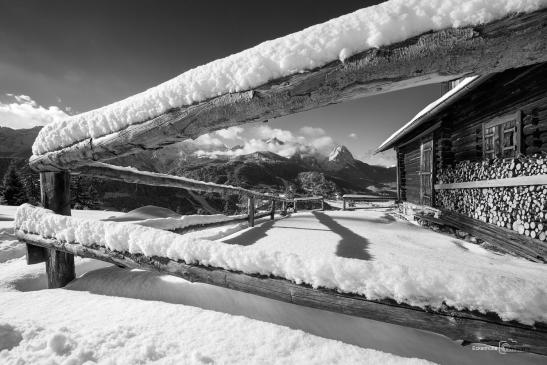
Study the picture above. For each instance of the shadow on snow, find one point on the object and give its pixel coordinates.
(351, 245)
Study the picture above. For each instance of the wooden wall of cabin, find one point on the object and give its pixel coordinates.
(523, 90)
(465, 143)
(409, 168)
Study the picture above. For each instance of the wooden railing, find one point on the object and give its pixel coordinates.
(425, 59)
(429, 58)
(473, 327)
(365, 198)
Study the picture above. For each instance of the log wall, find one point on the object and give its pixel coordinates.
(409, 162)
(513, 91)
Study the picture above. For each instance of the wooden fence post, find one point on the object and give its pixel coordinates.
(55, 191)
(398, 174)
(272, 212)
(251, 210)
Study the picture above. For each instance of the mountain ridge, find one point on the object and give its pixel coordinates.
(259, 170)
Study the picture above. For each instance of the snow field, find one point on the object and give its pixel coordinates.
(395, 260)
(53, 344)
(339, 38)
(70, 327)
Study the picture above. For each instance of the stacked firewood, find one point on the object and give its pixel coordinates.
(520, 208)
(535, 164)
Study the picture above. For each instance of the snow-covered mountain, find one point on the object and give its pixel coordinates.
(262, 169)
(340, 154)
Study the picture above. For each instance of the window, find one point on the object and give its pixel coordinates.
(501, 137)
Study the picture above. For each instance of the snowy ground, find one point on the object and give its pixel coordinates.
(79, 325)
(72, 323)
(415, 263)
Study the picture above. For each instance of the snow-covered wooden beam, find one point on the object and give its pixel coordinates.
(458, 325)
(514, 41)
(308, 198)
(132, 175)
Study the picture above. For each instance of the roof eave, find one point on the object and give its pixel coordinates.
(403, 132)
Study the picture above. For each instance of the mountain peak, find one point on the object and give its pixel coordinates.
(274, 141)
(341, 154)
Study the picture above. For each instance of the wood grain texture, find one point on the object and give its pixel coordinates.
(496, 183)
(503, 238)
(432, 57)
(55, 192)
(36, 255)
(457, 325)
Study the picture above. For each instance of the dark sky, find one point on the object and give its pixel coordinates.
(86, 54)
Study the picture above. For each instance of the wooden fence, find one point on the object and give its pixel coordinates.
(428, 58)
(346, 198)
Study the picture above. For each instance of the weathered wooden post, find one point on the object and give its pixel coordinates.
(398, 175)
(272, 212)
(55, 191)
(344, 203)
(251, 210)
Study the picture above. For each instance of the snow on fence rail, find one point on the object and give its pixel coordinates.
(133, 175)
(339, 61)
(344, 285)
(368, 52)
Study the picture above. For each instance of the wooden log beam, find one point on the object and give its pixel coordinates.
(132, 175)
(496, 183)
(308, 198)
(433, 57)
(398, 174)
(457, 325)
(55, 188)
(503, 238)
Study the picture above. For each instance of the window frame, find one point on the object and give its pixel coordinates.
(499, 134)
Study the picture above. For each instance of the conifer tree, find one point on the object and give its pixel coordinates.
(31, 183)
(13, 191)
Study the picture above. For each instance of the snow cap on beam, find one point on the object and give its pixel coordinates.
(337, 39)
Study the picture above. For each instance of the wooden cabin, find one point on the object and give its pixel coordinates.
(477, 158)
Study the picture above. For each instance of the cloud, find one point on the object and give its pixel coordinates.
(383, 158)
(236, 141)
(312, 131)
(352, 135)
(230, 133)
(21, 111)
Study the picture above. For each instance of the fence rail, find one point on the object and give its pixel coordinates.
(455, 324)
(496, 183)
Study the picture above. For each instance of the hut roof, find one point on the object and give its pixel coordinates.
(468, 84)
